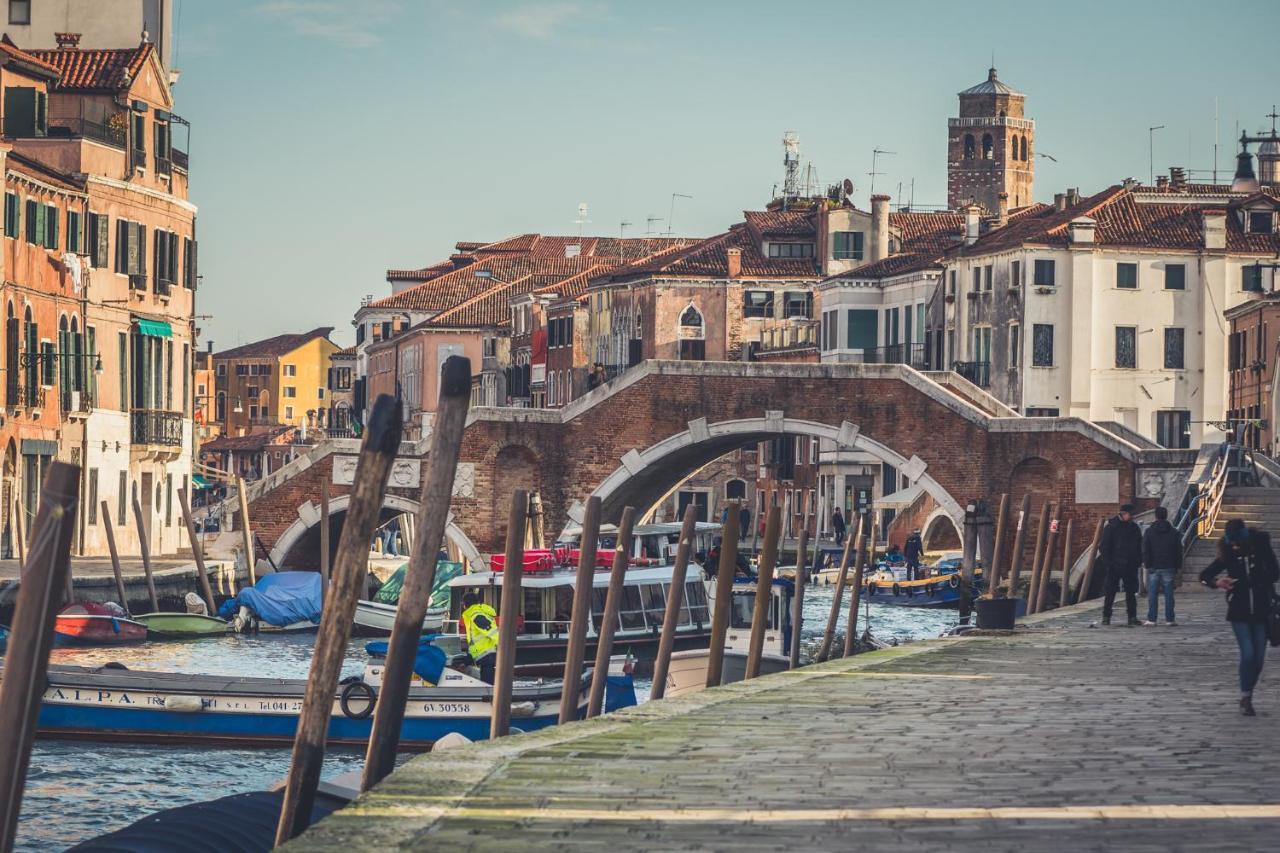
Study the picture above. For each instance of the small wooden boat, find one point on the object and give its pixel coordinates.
(180, 625)
(375, 619)
(89, 624)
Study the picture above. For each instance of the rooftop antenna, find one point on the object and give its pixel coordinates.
(790, 164)
(648, 224)
(582, 218)
(1216, 136)
(671, 216)
(875, 154)
(1151, 155)
(810, 180)
(912, 203)
(622, 236)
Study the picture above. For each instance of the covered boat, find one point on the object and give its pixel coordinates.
(377, 616)
(283, 601)
(86, 623)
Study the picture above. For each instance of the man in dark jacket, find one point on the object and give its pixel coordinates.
(1121, 553)
(912, 551)
(837, 525)
(1162, 555)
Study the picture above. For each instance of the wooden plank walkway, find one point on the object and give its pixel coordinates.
(1061, 737)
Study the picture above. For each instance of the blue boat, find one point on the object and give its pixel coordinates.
(888, 585)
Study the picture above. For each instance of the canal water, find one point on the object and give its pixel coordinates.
(77, 790)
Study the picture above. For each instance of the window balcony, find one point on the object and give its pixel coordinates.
(181, 161)
(156, 426)
(977, 372)
(913, 355)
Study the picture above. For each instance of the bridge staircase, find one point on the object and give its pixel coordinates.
(1238, 484)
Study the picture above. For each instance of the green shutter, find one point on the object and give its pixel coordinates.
(862, 328)
(39, 232)
(19, 111)
(42, 114)
(51, 227)
(33, 220)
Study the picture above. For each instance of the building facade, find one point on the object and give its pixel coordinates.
(990, 148)
(275, 382)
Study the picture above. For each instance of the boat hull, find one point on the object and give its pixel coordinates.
(375, 619)
(91, 630)
(688, 670)
(644, 647)
(165, 625)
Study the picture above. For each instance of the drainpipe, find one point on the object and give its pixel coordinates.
(85, 371)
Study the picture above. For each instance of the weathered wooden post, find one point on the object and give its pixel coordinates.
(1082, 594)
(378, 453)
(764, 588)
(970, 556)
(1046, 562)
(324, 529)
(992, 572)
(582, 588)
(246, 534)
(797, 596)
(722, 604)
(197, 552)
(144, 544)
(755, 522)
(829, 633)
(27, 661)
(1042, 534)
(537, 520)
(675, 596)
(509, 614)
(115, 558)
(1019, 544)
(17, 533)
(420, 576)
(1066, 567)
(609, 619)
(855, 598)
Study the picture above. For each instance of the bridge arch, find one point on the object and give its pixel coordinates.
(304, 535)
(645, 476)
(939, 532)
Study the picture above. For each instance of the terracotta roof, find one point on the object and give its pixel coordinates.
(993, 85)
(452, 288)
(252, 441)
(492, 307)
(277, 346)
(780, 223)
(710, 258)
(923, 238)
(96, 70)
(13, 53)
(346, 352)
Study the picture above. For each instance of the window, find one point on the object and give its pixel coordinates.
(1126, 347)
(220, 407)
(288, 413)
(50, 236)
(1174, 339)
(988, 147)
(1045, 273)
(12, 214)
(1042, 345)
(987, 273)
(189, 275)
(799, 303)
(969, 147)
(977, 279)
(1250, 278)
(757, 303)
(93, 497)
(253, 413)
(1127, 276)
(1015, 345)
(1173, 429)
(1041, 412)
(253, 390)
(122, 499)
(139, 141)
(1175, 277)
(693, 350)
(20, 11)
(289, 370)
(1260, 222)
(26, 112)
(791, 250)
(74, 235)
(1015, 273)
(319, 393)
(166, 260)
(951, 284)
(222, 370)
(290, 391)
(848, 246)
(99, 234)
(168, 500)
(863, 328)
(131, 252)
(123, 361)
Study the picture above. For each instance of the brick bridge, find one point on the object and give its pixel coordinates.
(635, 439)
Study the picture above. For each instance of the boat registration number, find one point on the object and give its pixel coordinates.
(446, 707)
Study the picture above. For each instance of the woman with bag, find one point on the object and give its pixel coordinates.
(1246, 569)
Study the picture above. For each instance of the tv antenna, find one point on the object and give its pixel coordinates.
(875, 155)
(671, 216)
(648, 224)
(582, 218)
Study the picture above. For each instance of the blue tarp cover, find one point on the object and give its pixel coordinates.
(284, 598)
(428, 664)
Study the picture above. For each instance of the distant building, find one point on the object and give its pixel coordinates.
(990, 148)
(1253, 386)
(100, 23)
(278, 381)
(342, 367)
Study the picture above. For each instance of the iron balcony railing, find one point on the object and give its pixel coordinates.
(913, 355)
(180, 159)
(977, 372)
(156, 426)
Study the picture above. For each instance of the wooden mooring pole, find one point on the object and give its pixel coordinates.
(764, 589)
(1066, 567)
(612, 604)
(246, 533)
(797, 594)
(144, 545)
(675, 597)
(581, 615)
(420, 576)
(1042, 533)
(855, 595)
(27, 660)
(992, 579)
(197, 553)
(1086, 582)
(115, 558)
(373, 468)
(1019, 544)
(324, 529)
(509, 614)
(829, 633)
(721, 605)
(1046, 563)
(17, 534)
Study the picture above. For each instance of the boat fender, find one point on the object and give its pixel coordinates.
(931, 588)
(897, 590)
(523, 709)
(184, 704)
(366, 694)
(955, 581)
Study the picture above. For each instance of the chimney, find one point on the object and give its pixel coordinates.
(972, 224)
(1002, 217)
(734, 258)
(879, 227)
(1215, 228)
(1162, 182)
(1177, 177)
(1080, 231)
(210, 347)
(1073, 196)
(1059, 201)
(67, 41)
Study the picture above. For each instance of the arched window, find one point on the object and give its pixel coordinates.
(691, 318)
(1026, 154)
(735, 490)
(988, 147)
(693, 346)
(12, 338)
(220, 407)
(968, 146)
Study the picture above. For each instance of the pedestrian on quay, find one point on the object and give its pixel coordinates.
(913, 550)
(837, 524)
(480, 629)
(724, 516)
(389, 534)
(1162, 555)
(744, 523)
(1121, 553)
(1246, 569)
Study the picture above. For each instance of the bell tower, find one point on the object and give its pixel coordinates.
(990, 148)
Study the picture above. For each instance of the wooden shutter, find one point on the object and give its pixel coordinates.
(42, 114)
(159, 261)
(142, 249)
(101, 239)
(19, 111)
(42, 212)
(173, 256)
(122, 246)
(51, 227)
(11, 333)
(33, 219)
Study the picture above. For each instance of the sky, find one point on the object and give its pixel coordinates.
(333, 140)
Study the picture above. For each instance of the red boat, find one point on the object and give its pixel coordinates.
(89, 624)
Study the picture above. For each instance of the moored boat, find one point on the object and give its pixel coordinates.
(90, 624)
(940, 587)
(181, 625)
(375, 617)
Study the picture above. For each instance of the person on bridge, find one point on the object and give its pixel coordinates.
(912, 551)
(744, 523)
(1162, 555)
(837, 525)
(1121, 553)
(480, 629)
(1246, 569)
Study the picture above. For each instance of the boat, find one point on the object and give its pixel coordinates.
(181, 625)
(282, 602)
(113, 703)
(688, 669)
(940, 587)
(376, 617)
(86, 623)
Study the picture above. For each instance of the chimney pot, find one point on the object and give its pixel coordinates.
(67, 41)
(1002, 217)
(1059, 201)
(972, 224)
(734, 262)
(879, 227)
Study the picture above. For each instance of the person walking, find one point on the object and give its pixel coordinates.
(1162, 555)
(912, 550)
(744, 523)
(1246, 570)
(837, 525)
(1121, 553)
(389, 534)
(480, 630)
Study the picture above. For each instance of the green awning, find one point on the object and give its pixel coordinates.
(199, 482)
(154, 328)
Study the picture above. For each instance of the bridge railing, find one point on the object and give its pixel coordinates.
(1231, 464)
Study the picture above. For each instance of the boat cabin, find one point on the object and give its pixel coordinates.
(777, 635)
(650, 542)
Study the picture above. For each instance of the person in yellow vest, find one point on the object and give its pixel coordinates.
(480, 628)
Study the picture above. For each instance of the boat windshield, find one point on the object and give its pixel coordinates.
(743, 605)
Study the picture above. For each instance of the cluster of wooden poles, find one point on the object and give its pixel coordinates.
(1044, 553)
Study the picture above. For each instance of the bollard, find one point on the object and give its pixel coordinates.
(725, 573)
(797, 595)
(420, 576)
(324, 529)
(829, 633)
(26, 663)
(1046, 568)
(1086, 582)
(992, 571)
(570, 691)
(115, 558)
(855, 598)
(764, 586)
(1042, 533)
(373, 468)
(144, 543)
(609, 619)
(509, 614)
(675, 595)
(197, 552)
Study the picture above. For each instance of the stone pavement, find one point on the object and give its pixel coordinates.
(1062, 736)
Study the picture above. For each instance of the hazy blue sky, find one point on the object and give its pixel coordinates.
(332, 140)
